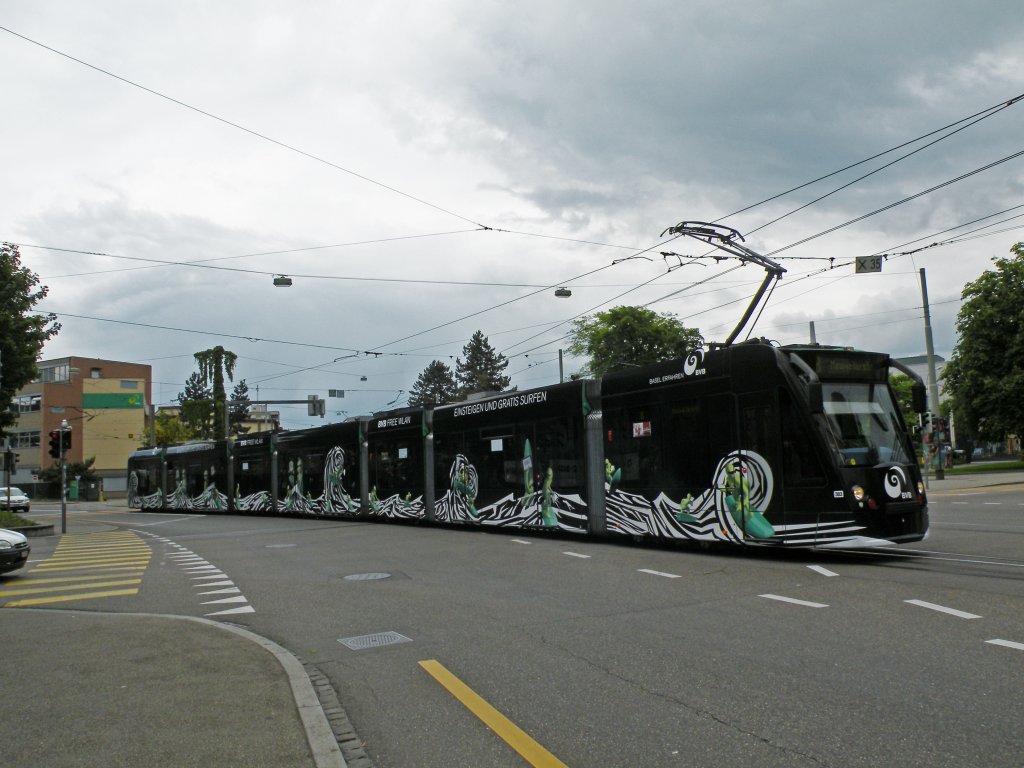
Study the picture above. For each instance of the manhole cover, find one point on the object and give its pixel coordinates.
(367, 576)
(376, 640)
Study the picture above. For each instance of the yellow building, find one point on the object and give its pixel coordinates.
(104, 403)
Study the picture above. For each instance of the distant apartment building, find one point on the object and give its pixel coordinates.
(105, 404)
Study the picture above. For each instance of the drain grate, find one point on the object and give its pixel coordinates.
(367, 576)
(376, 640)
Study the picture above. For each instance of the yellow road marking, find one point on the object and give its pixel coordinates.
(62, 560)
(91, 585)
(512, 734)
(69, 598)
(123, 567)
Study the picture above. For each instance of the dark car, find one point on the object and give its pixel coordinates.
(14, 550)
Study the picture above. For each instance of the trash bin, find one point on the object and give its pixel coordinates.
(91, 492)
(73, 490)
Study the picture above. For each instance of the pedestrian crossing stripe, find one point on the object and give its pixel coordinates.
(69, 598)
(30, 590)
(97, 565)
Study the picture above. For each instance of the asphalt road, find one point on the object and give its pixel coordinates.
(627, 655)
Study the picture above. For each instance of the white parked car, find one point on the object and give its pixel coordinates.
(14, 550)
(13, 499)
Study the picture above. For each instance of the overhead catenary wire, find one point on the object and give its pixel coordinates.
(243, 128)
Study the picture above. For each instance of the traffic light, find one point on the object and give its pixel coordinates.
(55, 443)
(66, 440)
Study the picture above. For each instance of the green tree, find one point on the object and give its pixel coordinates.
(984, 376)
(169, 429)
(625, 336)
(435, 386)
(240, 411)
(22, 332)
(82, 470)
(902, 388)
(483, 369)
(196, 408)
(214, 366)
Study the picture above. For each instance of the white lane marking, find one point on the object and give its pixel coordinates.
(823, 571)
(225, 591)
(576, 554)
(659, 573)
(227, 583)
(961, 503)
(943, 609)
(1007, 644)
(793, 600)
(520, 541)
(243, 609)
(239, 599)
(217, 575)
(993, 503)
(198, 568)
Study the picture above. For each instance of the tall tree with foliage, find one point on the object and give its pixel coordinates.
(239, 412)
(985, 376)
(628, 336)
(169, 429)
(196, 407)
(22, 332)
(435, 386)
(214, 366)
(483, 369)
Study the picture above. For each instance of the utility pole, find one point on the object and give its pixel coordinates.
(933, 387)
(63, 479)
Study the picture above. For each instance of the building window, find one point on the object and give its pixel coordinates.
(95, 372)
(127, 384)
(26, 403)
(25, 440)
(54, 374)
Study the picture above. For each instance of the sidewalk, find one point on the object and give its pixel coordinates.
(87, 688)
(974, 480)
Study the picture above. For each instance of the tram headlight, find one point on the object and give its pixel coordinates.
(858, 493)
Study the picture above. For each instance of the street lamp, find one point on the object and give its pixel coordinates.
(282, 281)
(563, 293)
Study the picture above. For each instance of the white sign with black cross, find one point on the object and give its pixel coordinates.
(868, 264)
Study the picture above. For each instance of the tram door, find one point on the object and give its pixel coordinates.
(759, 436)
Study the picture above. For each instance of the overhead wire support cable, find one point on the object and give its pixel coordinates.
(884, 208)
(250, 131)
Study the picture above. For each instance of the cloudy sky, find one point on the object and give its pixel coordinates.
(426, 170)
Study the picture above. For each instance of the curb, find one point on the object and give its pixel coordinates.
(319, 734)
(33, 531)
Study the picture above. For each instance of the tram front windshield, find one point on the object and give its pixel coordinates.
(864, 424)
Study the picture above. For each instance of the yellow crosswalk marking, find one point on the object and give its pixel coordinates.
(89, 585)
(69, 598)
(92, 562)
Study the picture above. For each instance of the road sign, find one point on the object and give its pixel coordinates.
(869, 264)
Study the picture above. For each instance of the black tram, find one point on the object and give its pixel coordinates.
(749, 444)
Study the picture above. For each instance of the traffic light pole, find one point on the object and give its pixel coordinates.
(63, 481)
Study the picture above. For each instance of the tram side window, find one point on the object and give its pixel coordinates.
(555, 448)
(394, 467)
(629, 445)
(694, 445)
(801, 465)
(251, 475)
(313, 474)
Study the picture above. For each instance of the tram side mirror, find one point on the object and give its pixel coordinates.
(814, 399)
(919, 398)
